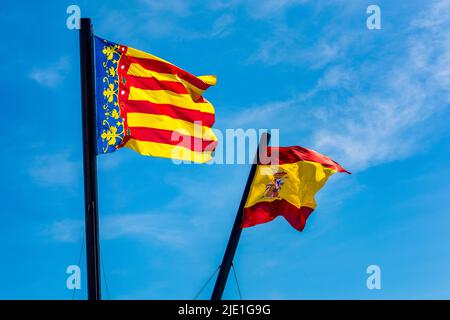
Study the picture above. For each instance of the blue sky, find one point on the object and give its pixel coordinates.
(377, 101)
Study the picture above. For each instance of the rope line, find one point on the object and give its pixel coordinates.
(206, 283)
(79, 262)
(104, 277)
(236, 279)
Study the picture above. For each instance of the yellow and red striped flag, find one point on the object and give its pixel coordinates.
(287, 185)
(151, 106)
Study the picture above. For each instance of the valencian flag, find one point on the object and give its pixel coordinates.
(287, 185)
(151, 106)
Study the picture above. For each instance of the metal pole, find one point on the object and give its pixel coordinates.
(89, 158)
(236, 231)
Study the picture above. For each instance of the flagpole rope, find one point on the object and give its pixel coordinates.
(237, 282)
(79, 262)
(206, 283)
(104, 276)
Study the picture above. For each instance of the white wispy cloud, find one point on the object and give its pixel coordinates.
(52, 75)
(271, 8)
(179, 224)
(389, 121)
(435, 17)
(55, 170)
(148, 226)
(66, 230)
(222, 26)
(162, 227)
(286, 44)
(170, 20)
(256, 9)
(269, 115)
(374, 112)
(176, 7)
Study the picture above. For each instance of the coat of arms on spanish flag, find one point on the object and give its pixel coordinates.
(151, 106)
(287, 186)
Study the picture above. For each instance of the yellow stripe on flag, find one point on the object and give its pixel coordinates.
(141, 54)
(301, 181)
(169, 97)
(209, 80)
(146, 120)
(137, 70)
(163, 150)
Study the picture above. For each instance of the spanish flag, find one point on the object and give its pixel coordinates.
(287, 185)
(151, 106)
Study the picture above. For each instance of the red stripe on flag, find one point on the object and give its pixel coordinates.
(163, 67)
(205, 119)
(155, 84)
(173, 138)
(263, 212)
(297, 153)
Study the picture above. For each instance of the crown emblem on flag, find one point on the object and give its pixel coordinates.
(273, 188)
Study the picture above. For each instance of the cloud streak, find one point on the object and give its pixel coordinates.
(52, 75)
(388, 122)
(149, 226)
(180, 224)
(378, 109)
(57, 170)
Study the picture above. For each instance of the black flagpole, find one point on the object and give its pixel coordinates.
(236, 231)
(89, 158)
